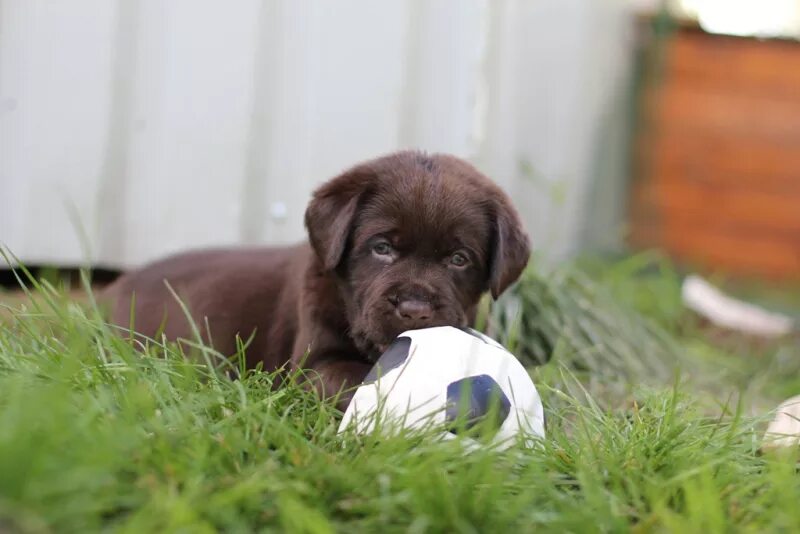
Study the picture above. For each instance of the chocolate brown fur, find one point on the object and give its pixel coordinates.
(404, 241)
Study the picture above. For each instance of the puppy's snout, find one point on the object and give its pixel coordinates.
(414, 310)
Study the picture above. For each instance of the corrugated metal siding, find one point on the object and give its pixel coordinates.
(163, 125)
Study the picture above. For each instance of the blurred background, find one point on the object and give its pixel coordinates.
(130, 129)
(652, 147)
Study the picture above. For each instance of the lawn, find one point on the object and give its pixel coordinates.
(651, 427)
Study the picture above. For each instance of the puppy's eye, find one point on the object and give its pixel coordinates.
(382, 248)
(459, 260)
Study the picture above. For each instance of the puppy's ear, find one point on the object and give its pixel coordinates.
(510, 246)
(329, 216)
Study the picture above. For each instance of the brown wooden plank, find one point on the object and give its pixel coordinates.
(745, 254)
(747, 207)
(720, 160)
(688, 110)
(737, 65)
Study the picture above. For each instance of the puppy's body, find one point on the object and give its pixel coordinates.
(237, 291)
(405, 241)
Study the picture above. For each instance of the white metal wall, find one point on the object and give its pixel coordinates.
(133, 128)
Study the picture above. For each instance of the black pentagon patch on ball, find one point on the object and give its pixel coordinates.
(395, 356)
(472, 401)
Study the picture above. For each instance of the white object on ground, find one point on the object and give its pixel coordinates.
(451, 379)
(784, 430)
(727, 312)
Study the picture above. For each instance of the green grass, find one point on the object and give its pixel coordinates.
(650, 428)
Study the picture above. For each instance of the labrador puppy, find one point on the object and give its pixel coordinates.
(401, 242)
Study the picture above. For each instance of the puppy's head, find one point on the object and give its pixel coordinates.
(414, 240)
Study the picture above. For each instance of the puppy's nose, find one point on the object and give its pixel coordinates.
(414, 310)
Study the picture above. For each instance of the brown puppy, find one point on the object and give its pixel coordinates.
(404, 241)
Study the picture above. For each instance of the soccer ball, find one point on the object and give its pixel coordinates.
(456, 380)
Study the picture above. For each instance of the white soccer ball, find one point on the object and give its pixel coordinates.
(450, 379)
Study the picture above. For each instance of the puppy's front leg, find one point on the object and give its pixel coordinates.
(337, 376)
(333, 367)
